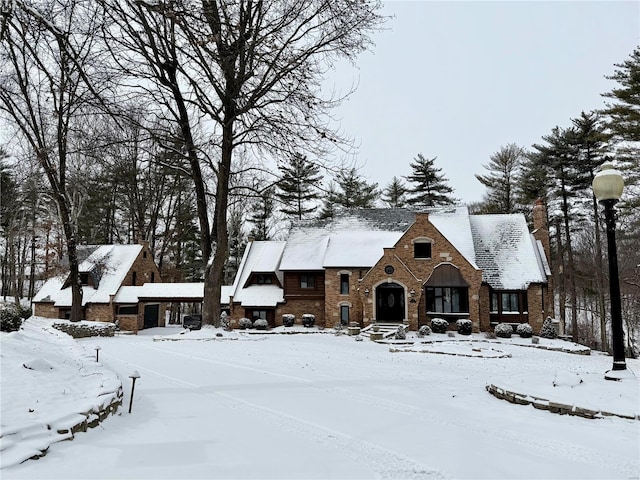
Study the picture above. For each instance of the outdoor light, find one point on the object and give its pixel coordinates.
(97, 347)
(366, 292)
(607, 187)
(412, 293)
(134, 376)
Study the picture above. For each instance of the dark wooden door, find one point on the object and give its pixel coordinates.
(390, 303)
(151, 313)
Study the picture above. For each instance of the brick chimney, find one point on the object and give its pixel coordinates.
(540, 227)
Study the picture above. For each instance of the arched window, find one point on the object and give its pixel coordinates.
(446, 291)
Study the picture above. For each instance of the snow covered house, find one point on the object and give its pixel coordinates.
(400, 266)
(106, 275)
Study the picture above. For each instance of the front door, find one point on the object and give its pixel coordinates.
(151, 315)
(390, 303)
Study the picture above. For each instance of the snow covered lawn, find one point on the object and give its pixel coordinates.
(323, 406)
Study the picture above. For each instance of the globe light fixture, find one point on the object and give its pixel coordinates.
(608, 185)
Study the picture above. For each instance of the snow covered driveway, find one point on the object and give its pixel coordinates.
(321, 406)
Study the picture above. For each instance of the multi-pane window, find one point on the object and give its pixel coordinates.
(307, 280)
(344, 314)
(127, 309)
(258, 315)
(508, 302)
(264, 278)
(344, 284)
(447, 299)
(422, 249)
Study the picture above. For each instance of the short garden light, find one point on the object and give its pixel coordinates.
(97, 348)
(134, 376)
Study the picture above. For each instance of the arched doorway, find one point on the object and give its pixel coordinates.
(390, 303)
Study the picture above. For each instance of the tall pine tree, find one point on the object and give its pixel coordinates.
(501, 180)
(430, 186)
(297, 187)
(394, 195)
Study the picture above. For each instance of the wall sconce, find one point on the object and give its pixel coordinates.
(366, 292)
(412, 293)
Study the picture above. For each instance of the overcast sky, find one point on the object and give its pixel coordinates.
(458, 79)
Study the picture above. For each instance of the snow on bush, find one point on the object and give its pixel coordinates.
(439, 325)
(503, 330)
(401, 333)
(424, 330)
(11, 317)
(308, 319)
(260, 324)
(288, 319)
(245, 323)
(465, 327)
(548, 330)
(224, 321)
(524, 330)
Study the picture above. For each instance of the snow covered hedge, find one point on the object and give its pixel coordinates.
(439, 325)
(11, 316)
(288, 319)
(260, 324)
(245, 323)
(524, 330)
(308, 319)
(503, 330)
(424, 330)
(465, 327)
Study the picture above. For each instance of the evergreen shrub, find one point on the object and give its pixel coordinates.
(465, 327)
(245, 323)
(288, 319)
(524, 330)
(401, 333)
(424, 330)
(10, 318)
(439, 325)
(548, 330)
(503, 330)
(308, 319)
(260, 324)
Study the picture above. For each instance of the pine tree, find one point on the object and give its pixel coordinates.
(500, 182)
(353, 191)
(624, 111)
(297, 187)
(394, 195)
(261, 213)
(431, 187)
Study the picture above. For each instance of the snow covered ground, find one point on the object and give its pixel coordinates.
(312, 406)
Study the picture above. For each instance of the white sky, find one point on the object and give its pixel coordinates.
(457, 80)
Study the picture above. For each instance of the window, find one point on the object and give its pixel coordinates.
(307, 280)
(144, 254)
(344, 315)
(508, 302)
(133, 278)
(263, 279)
(258, 315)
(84, 278)
(447, 299)
(153, 277)
(344, 284)
(422, 249)
(127, 309)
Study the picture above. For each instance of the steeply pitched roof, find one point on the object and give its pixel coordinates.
(108, 265)
(259, 257)
(505, 251)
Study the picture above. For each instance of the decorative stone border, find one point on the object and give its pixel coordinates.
(403, 350)
(582, 351)
(40, 437)
(553, 407)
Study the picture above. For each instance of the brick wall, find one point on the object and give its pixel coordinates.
(143, 266)
(334, 299)
(99, 312)
(46, 310)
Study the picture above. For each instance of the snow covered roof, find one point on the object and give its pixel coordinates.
(505, 252)
(357, 249)
(259, 257)
(454, 224)
(108, 265)
(168, 291)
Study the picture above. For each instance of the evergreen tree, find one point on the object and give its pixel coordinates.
(501, 181)
(353, 191)
(297, 187)
(431, 187)
(624, 110)
(394, 195)
(261, 213)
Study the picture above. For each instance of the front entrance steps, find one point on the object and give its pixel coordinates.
(384, 330)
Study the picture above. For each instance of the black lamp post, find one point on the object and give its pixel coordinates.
(607, 187)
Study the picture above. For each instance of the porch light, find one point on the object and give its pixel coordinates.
(607, 187)
(412, 293)
(366, 292)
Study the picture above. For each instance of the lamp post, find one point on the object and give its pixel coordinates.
(607, 187)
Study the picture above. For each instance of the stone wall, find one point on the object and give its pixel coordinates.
(86, 329)
(334, 300)
(99, 312)
(46, 310)
(144, 267)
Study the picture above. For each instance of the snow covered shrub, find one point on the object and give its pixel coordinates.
(10, 318)
(308, 319)
(245, 323)
(439, 325)
(401, 333)
(465, 327)
(503, 330)
(524, 330)
(548, 330)
(288, 319)
(490, 335)
(358, 338)
(260, 324)
(424, 330)
(224, 321)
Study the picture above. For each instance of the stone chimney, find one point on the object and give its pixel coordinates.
(540, 227)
